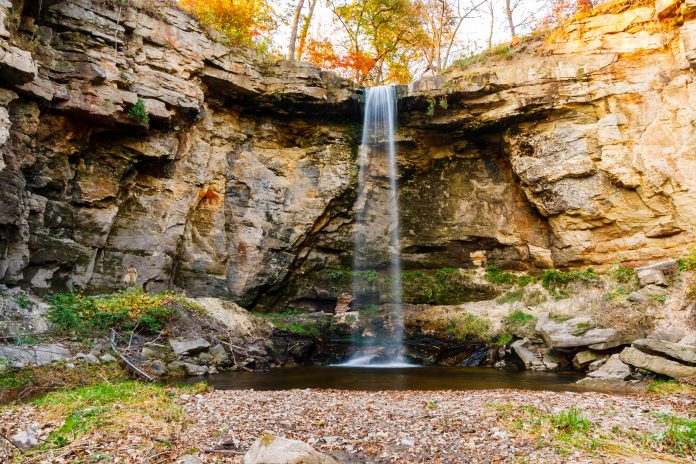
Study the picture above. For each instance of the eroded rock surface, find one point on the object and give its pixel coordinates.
(577, 151)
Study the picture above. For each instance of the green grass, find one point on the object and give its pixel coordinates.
(519, 318)
(511, 297)
(23, 301)
(299, 323)
(669, 387)
(680, 436)
(497, 276)
(111, 408)
(498, 52)
(622, 274)
(29, 381)
(468, 327)
(556, 282)
(570, 421)
(80, 315)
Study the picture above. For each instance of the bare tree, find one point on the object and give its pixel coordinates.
(293, 33)
(305, 29)
(490, 5)
(509, 10)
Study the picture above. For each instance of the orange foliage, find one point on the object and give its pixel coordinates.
(356, 65)
(244, 22)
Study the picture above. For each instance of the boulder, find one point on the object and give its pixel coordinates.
(219, 354)
(529, 359)
(637, 297)
(668, 267)
(37, 355)
(683, 353)
(657, 364)
(594, 365)
(25, 439)
(668, 334)
(612, 369)
(651, 276)
(555, 360)
(189, 459)
(269, 449)
(584, 358)
(188, 346)
(577, 332)
(158, 368)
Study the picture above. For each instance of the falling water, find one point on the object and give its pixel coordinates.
(378, 142)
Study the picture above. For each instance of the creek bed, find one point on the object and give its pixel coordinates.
(400, 379)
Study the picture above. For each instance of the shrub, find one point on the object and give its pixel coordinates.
(465, 326)
(556, 282)
(81, 315)
(138, 112)
(623, 275)
(497, 276)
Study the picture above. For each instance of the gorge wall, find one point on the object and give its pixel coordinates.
(578, 150)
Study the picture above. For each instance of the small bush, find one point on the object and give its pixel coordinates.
(570, 421)
(138, 113)
(623, 275)
(556, 282)
(77, 314)
(465, 326)
(500, 277)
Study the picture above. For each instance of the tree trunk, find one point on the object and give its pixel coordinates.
(293, 33)
(490, 30)
(511, 22)
(305, 29)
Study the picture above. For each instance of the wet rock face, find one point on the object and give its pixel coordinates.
(242, 182)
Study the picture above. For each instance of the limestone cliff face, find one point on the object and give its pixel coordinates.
(579, 150)
(598, 124)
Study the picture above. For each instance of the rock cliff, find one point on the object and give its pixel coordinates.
(572, 149)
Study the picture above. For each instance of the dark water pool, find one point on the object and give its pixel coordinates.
(377, 379)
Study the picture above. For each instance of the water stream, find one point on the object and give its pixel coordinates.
(378, 146)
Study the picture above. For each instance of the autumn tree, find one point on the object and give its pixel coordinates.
(440, 23)
(377, 34)
(243, 22)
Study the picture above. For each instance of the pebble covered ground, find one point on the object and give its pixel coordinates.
(488, 426)
(422, 427)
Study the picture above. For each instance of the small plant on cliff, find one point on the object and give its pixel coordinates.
(497, 276)
(623, 274)
(556, 282)
(138, 112)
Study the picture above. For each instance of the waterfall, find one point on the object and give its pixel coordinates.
(377, 147)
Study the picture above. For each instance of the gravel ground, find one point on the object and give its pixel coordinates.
(491, 426)
(422, 427)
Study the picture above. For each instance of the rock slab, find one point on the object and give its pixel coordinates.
(657, 364)
(270, 449)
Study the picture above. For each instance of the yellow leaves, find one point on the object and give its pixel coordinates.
(243, 22)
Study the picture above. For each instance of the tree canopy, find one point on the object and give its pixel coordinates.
(378, 41)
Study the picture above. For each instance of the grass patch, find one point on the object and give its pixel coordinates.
(517, 323)
(669, 387)
(79, 315)
(300, 323)
(557, 282)
(468, 327)
(30, 381)
(496, 53)
(511, 297)
(622, 274)
(111, 409)
(680, 436)
(497, 276)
